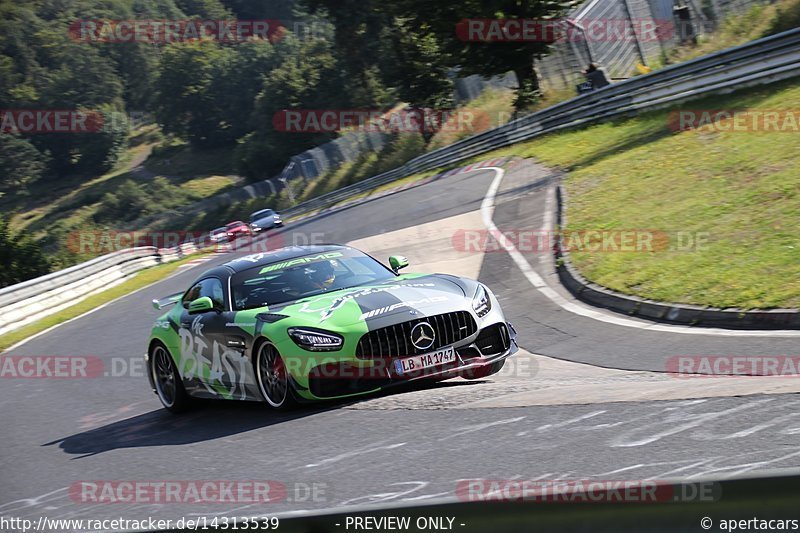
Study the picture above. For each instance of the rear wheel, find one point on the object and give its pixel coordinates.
(273, 378)
(169, 385)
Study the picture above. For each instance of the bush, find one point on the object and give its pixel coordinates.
(21, 258)
(129, 203)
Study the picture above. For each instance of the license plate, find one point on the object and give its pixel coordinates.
(416, 363)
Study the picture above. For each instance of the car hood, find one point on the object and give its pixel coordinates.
(395, 300)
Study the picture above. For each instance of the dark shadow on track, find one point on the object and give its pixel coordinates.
(210, 420)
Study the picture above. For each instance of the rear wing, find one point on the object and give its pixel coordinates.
(161, 303)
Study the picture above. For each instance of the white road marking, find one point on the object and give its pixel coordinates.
(480, 427)
(354, 453)
(487, 210)
(570, 421)
(692, 420)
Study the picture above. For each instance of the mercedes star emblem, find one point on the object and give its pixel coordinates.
(423, 336)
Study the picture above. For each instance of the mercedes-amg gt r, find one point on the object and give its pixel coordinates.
(320, 322)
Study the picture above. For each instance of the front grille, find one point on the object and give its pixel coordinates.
(395, 340)
(493, 340)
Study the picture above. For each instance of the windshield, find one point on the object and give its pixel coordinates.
(234, 225)
(304, 276)
(261, 214)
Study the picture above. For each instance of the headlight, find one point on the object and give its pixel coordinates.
(315, 340)
(481, 302)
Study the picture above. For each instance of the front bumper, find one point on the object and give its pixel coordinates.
(348, 380)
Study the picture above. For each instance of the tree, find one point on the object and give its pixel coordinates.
(307, 78)
(415, 68)
(359, 46)
(206, 9)
(21, 258)
(185, 104)
(20, 163)
(439, 19)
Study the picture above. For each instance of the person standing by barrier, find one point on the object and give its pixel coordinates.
(596, 76)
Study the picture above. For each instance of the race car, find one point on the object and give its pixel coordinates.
(264, 220)
(307, 323)
(237, 229)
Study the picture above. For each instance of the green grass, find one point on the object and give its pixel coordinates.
(141, 279)
(174, 176)
(741, 188)
(492, 108)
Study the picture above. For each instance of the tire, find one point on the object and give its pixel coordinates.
(273, 378)
(167, 380)
(484, 372)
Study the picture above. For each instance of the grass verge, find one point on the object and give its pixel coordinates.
(741, 189)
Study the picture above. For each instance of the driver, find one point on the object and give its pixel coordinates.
(321, 275)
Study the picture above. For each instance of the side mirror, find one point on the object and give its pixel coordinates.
(201, 305)
(396, 262)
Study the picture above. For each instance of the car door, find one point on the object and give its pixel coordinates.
(216, 348)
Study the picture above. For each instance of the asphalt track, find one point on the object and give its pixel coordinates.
(411, 447)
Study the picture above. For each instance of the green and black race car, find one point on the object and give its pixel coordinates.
(318, 322)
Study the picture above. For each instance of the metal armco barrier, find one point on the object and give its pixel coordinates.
(37, 298)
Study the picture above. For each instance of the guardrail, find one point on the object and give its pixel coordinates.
(31, 300)
(763, 61)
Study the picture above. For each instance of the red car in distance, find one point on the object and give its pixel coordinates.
(237, 229)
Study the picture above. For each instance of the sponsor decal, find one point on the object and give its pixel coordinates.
(222, 370)
(400, 305)
(327, 309)
(299, 261)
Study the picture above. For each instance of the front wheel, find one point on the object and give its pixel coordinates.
(169, 386)
(273, 378)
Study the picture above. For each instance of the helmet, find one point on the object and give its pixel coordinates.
(321, 273)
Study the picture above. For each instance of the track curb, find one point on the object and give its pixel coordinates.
(673, 313)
